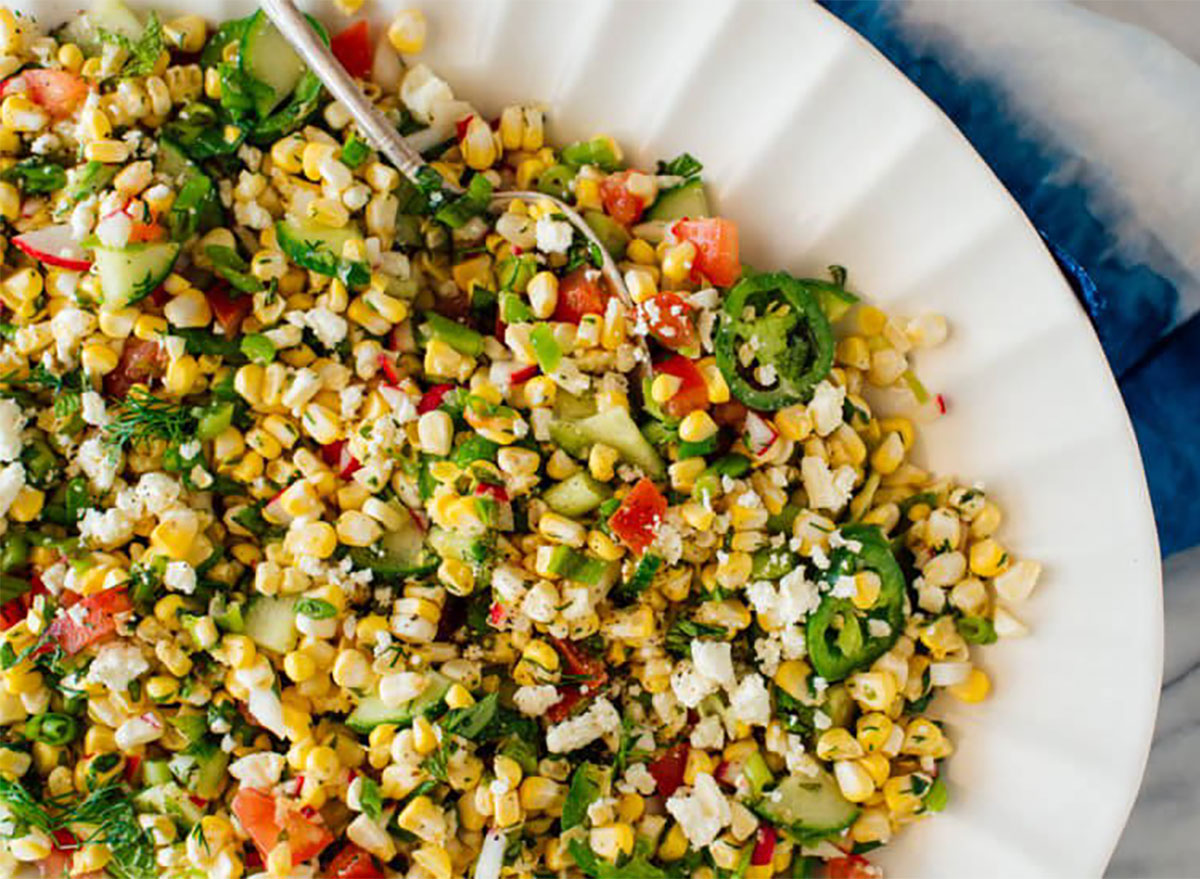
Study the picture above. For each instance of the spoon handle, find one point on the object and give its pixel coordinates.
(375, 126)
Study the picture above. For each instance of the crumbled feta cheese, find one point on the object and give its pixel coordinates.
(714, 660)
(93, 409)
(638, 780)
(330, 328)
(99, 461)
(116, 666)
(792, 643)
(261, 770)
(825, 490)
(702, 812)
(769, 654)
(12, 480)
(535, 701)
(158, 492)
(599, 720)
(106, 529)
(12, 422)
(708, 733)
(690, 687)
(878, 628)
(114, 230)
(180, 577)
(421, 90)
(553, 236)
(751, 702)
(825, 408)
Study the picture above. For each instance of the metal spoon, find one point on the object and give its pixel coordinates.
(384, 137)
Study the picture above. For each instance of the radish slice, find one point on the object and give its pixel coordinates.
(760, 434)
(54, 246)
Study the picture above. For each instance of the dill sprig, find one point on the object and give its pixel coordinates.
(65, 388)
(111, 810)
(23, 806)
(145, 417)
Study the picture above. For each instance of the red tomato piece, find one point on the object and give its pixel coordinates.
(716, 241)
(58, 92)
(354, 863)
(621, 204)
(352, 47)
(140, 361)
(764, 846)
(669, 317)
(256, 810)
(579, 293)
(636, 521)
(432, 398)
(74, 630)
(851, 867)
(591, 673)
(692, 393)
(12, 612)
(229, 311)
(668, 769)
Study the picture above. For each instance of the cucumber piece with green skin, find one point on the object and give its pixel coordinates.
(568, 437)
(615, 427)
(155, 772)
(201, 769)
(319, 248)
(265, 55)
(573, 408)
(687, 200)
(460, 547)
(399, 553)
(131, 273)
(807, 807)
(171, 800)
(372, 712)
(271, 623)
(105, 15)
(612, 234)
(576, 495)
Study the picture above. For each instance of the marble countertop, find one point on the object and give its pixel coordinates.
(1161, 838)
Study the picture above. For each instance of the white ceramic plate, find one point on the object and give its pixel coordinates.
(824, 154)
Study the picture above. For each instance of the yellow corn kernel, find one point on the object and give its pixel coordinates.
(870, 320)
(678, 260)
(874, 691)
(975, 688)
(697, 762)
(459, 696)
(27, 505)
(853, 780)
(697, 515)
(174, 537)
(106, 150)
(924, 738)
(792, 678)
(612, 841)
(867, 586)
(316, 539)
(900, 797)
(838, 744)
(697, 426)
(287, 153)
(149, 328)
(10, 202)
(988, 558)
(181, 375)
(874, 730)
(854, 351)
(18, 113)
(674, 844)
(664, 387)
(479, 145)
(407, 31)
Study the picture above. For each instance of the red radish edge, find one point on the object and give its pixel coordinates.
(35, 245)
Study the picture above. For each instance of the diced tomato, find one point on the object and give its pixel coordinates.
(12, 612)
(75, 630)
(716, 241)
(851, 867)
(621, 204)
(230, 311)
(588, 670)
(352, 47)
(636, 521)
(668, 769)
(432, 398)
(354, 863)
(669, 317)
(139, 362)
(497, 614)
(58, 92)
(391, 374)
(692, 393)
(257, 811)
(579, 293)
(764, 846)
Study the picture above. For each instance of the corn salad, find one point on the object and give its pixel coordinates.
(351, 527)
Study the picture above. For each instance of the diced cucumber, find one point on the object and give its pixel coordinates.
(201, 769)
(615, 427)
(807, 806)
(687, 200)
(398, 553)
(372, 712)
(105, 15)
(579, 567)
(171, 800)
(319, 249)
(460, 547)
(269, 58)
(271, 623)
(133, 272)
(155, 772)
(612, 234)
(576, 495)
(573, 408)
(568, 437)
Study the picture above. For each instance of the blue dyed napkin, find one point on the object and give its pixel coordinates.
(1053, 96)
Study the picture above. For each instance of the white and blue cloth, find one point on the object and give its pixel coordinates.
(1094, 126)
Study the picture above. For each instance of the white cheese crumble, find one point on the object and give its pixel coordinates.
(116, 666)
(12, 421)
(553, 236)
(702, 812)
(535, 701)
(572, 734)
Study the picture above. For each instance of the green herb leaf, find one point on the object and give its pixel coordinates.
(683, 632)
(683, 165)
(37, 175)
(470, 722)
(316, 608)
(371, 799)
(587, 784)
(145, 417)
